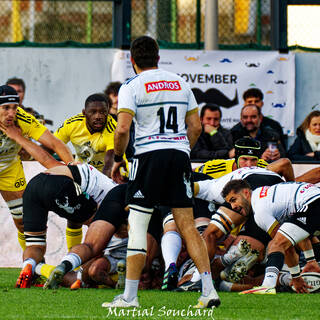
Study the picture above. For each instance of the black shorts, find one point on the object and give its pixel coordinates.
(55, 193)
(258, 180)
(112, 210)
(112, 207)
(162, 177)
(308, 220)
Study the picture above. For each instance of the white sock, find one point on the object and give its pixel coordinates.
(29, 261)
(74, 259)
(38, 268)
(270, 277)
(130, 290)
(285, 279)
(196, 276)
(171, 246)
(207, 284)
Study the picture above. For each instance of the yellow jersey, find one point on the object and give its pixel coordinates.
(90, 148)
(9, 149)
(219, 167)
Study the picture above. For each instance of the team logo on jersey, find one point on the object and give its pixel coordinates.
(263, 192)
(162, 86)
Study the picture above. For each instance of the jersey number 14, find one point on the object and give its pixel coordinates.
(171, 119)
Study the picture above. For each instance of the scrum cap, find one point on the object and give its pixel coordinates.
(247, 147)
(8, 95)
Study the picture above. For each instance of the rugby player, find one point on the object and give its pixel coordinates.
(91, 134)
(163, 107)
(73, 192)
(12, 179)
(289, 213)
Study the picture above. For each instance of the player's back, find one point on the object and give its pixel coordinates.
(160, 101)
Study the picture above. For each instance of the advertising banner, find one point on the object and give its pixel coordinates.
(221, 77)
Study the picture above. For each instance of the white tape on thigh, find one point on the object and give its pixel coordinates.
(138, 221)
(221, 220)
(16, 208)
(167, 219)
(293, 232)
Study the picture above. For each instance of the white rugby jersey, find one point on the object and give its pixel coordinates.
(210, 190)
(94, 183)
(159, 101)
(272, 205)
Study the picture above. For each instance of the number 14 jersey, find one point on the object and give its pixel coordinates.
(159, 101)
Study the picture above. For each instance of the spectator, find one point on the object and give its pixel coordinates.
(20, 86)
(255, 96)
(250, 125)
(111, 92)
(215, 142)
(306, 147)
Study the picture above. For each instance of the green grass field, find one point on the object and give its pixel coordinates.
(36, 303)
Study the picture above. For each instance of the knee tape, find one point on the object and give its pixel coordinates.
(222, 221)
(16, 209)
(139, 218)
(35, 240)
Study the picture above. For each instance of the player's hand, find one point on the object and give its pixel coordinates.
(117, 172)
(275, 155)
(311, 266)
(300, 285)
(13, 132)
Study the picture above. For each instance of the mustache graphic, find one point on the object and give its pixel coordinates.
(270, 71)
(191, 58)
(215, 96)
(278, 105)
(225, 60)
(280, 82)
(252, 65)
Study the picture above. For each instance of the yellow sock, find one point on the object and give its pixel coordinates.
(73, 236)
(22, 240)
(46, 270)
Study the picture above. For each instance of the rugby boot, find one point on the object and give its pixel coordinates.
(212, 300)
(170, 278)
(119, 302)
(259, 290)
(55, 277)
(190, 286)
(236, 252)
(25, 277)
(121, 270)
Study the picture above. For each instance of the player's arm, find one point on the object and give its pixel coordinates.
(193, 126)
(53, 143)
(311, 176)
(121, 140)
(283, 167)
(108, 163)
(33, 149)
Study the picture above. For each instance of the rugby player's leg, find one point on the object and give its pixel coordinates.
(14, 202)
(221, 224)
(171, 244)
(73, 234)
(280, 247)
(198, 252)
(98, 235)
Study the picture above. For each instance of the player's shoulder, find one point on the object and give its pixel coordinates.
(76, 119)
(128, 81)
(23, 116)
(111, 124)
(216, 168)
(262, 163)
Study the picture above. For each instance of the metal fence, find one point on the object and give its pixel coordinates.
(173, 22)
